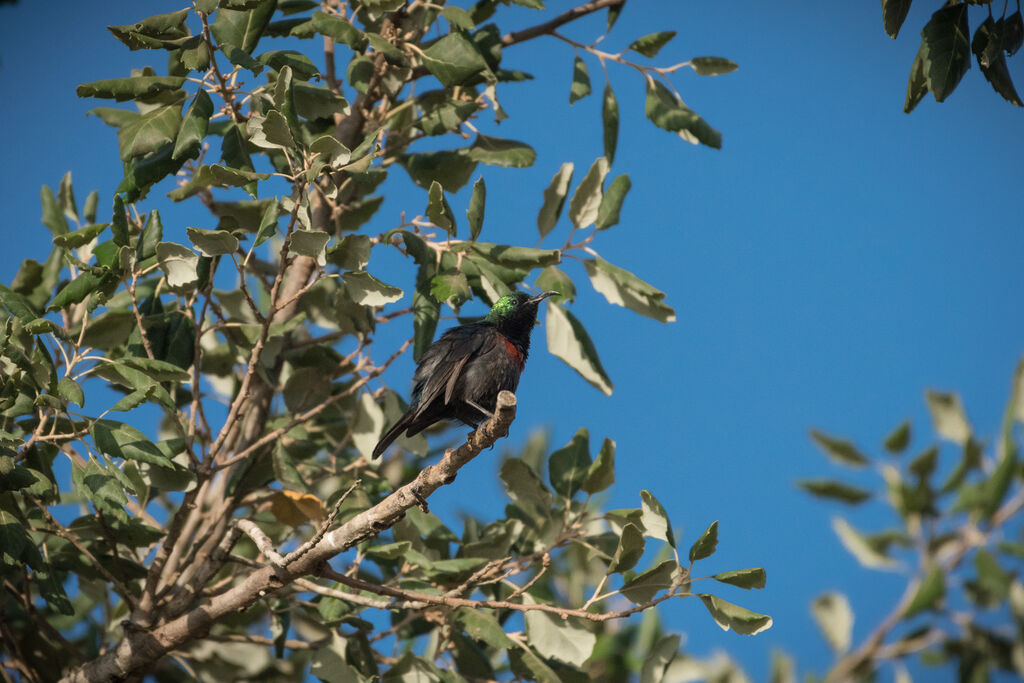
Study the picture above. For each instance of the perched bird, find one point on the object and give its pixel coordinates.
(460, 375)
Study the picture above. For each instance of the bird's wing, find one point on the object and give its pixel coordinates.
(443, 362)
(450, 386)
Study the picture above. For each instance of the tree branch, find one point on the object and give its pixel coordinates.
(549, 27)
(138, 649)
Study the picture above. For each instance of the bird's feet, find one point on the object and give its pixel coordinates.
(483, 411)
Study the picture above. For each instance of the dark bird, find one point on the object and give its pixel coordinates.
(461, 374)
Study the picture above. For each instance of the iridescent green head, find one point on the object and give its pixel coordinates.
(514, 316)
(507, 306)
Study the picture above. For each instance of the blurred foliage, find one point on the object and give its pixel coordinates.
(957, 536)
(946, 47)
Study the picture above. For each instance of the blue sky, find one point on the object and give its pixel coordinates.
(835, 259)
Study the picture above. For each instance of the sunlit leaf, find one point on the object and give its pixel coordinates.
(739, 619)
(568, 340)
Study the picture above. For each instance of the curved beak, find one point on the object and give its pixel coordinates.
(543, 295)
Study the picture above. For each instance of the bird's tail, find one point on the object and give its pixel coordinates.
(392, 434)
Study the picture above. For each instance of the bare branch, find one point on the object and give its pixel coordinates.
(548, 27)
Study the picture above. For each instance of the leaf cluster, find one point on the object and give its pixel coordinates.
(946, 48)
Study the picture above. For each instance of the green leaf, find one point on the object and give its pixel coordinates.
(917, 84)
(706, 544)
(301, 65)
(946, 47)
(124, 89)
(659, 658)
(567, 339)
(367, 290)
(523, 485)
(839, 450)
(270, 131)
(368, 425)
(438, 210)
(859, 547)
(586, 201)
(929, 593)
(899, 439)
(454, 59)
(569, 465)
(389, 551)
(893, 14)
(643, 587)
(753, 577)
(601, 473)
(458, 18)
(243, 59)
(179, 264)
(53, 217)
(501, 152)
(553, 279)
(995, 487)
(988, 49)
(152, 234)
(242, 29)
(611, 202)
(66, 197)
(610, 122)
(114, 117)
(76, 291)
(119, 440)
(562, 639)
(739, 619)
(993, 582)
(948, 416)
(651, 44)
(475, 212)
(212, 242)
(425, 313)
(452, 168)
(119, 223)
(517, 257)
(81, 237)
(17, 304)
(339, 30)
(629, 551)
(667, 111)
(70, 390)
(149, 132)
(443, 114)
(554, 199)
(834, 617)
(13, 540)
(317, 102)
(481, 625)
(655, 519)
(452, 286)
(622, 288)
(215, 175)
(713, 66)
(91, 203)
(1012, 31)
(580, 81)
(834, 490)
(329, 663)
(310, 243)
(268, 224)
(382, 45)
(352, 252)
(359, 73)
